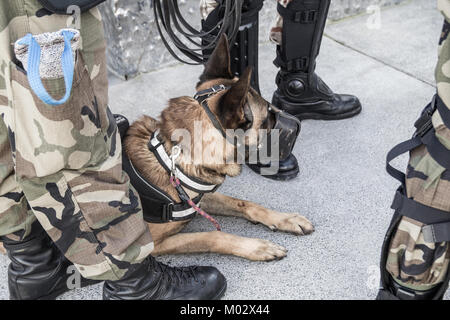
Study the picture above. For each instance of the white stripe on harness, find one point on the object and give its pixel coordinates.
(175, 214)
(168, 162)
(183, 213)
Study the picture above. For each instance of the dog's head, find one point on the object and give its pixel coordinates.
(240, 106)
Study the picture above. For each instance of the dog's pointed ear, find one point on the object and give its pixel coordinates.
(232, 105)
(218, 65)
(235, 97)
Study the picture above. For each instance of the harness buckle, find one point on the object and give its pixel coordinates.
(167, 212)
(205, 94)
(297, 64)
(306, 16)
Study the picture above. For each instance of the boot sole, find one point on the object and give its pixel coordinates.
(55, 294)
(221, 293)
(281, 176)
(318, 116)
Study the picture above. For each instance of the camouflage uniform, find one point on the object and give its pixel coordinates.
(62, 164)
(412, 262)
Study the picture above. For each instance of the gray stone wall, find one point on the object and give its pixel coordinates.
(134, 45)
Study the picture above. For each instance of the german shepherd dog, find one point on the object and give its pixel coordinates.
(231, 107)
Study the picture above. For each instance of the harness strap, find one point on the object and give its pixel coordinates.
(398, 150)
(202, 95)
(188, 207)
(159, 212)
(409, 208)
(158, 207)
(202, 98)
(157, 147)
(436, 149)
(185, 198)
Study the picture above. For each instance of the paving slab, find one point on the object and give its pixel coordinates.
(406, 38)
(342, 188)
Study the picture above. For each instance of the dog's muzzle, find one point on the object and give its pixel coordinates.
(283, 134)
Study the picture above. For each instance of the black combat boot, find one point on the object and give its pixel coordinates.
(38, 270)
(395, 291)
(152, 280)
(300, 91)
(243, 54)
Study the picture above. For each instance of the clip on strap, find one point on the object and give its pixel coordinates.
(297, 64)
(437, 222)
(34, 58)
(301, 16)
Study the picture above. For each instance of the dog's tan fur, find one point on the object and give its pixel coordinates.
(182, 113)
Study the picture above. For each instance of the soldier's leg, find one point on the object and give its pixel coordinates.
(37, 268)
(415, 257)
(301, 92)
(68, 157)
(16, 217)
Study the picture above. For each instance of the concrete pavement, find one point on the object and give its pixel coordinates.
(342, 188)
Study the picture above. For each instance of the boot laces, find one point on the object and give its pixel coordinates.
(174, 274)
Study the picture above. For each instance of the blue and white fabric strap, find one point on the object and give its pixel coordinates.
(34, 57)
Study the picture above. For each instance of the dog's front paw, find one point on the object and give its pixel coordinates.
(260, 250)
(293, 223)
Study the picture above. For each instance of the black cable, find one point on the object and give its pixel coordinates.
(171, 25)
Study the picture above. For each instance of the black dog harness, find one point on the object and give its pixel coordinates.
(202, 98)
(158, 206)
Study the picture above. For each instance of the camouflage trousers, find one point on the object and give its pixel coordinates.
(412, 262)
(62, 164)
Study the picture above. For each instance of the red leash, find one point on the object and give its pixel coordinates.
(185, 197)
